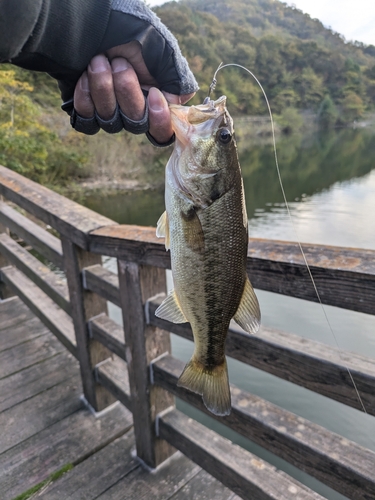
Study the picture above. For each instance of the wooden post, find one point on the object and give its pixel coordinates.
(5, 291)
(143, 344)
(85, 305)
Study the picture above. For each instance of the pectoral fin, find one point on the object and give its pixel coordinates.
(162, 229)
(248, 312)
(170, 309)
(192, 230)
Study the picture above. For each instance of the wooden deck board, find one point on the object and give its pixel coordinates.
(96, 474)
(39, 412)
(45, 426)
(36, 378)
(160, 484)
(13, 312)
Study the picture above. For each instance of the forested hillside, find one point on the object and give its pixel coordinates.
(297, 60)
(301, 64)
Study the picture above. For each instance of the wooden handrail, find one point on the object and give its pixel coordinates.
(68, 218)
(345, 278)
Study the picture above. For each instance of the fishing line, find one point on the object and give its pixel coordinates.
(211, 89)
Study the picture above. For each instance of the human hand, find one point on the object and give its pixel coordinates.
(115, 80)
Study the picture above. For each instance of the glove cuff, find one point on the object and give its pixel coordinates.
(137, 8)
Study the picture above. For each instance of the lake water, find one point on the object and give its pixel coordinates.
(329, 180)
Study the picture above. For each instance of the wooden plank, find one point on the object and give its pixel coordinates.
(36, 378)
(27, 354)
(97, 474)
(22, 332)
(113, 375)
(70, 440)
(85, 305)
(39, 412)
(144, 344)
(345, 276)
(103, 282)
(110, 334)
(41, 240)
(13, 312)
(310, 364)
(130, 243)
(341, 464)
(5, 292)
(42, 306)
(204, 487)
(162, 483)
(244, 473)
(68, 218)
(48, 281)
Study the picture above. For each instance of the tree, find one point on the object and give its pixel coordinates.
(327, 114)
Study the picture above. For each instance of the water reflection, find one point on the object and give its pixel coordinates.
(329, 180)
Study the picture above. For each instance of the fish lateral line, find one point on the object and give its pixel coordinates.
(208, 100)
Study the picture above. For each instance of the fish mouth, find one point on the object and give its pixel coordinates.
(201, 119)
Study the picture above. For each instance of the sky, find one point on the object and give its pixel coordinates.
(353, 19)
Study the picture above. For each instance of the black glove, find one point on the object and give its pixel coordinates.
(67, 34)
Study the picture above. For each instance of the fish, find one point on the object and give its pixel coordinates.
(205, 227)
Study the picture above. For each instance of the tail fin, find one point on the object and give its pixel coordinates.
(212, 385)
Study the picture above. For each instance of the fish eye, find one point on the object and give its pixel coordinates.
(224, 136)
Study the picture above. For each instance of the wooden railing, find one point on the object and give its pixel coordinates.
(138, 369)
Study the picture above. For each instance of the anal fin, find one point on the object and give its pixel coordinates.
(170, 309)
(248, 312)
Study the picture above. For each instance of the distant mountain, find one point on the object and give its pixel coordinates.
(299, 61)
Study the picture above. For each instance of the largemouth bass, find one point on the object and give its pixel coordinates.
(206, 228)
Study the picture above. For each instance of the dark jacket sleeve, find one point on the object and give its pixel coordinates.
(56, 36)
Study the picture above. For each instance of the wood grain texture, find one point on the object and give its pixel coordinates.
(103, 282)
(68, 218)
(144, 343)
(345, 277)
(34, 379)
(110, 334)
(204, 487)
(341, 464)
(241, 471)
(162, 483)
(54, 318)
(130, 243)
(85, 305)
(39, 412)
(113, 375)
(13, 312)
(27, 354)
(21, 332)
(5, 292)
(96, 474)
(70, 440)
(41, 240)
(48, 281)
(310, 364)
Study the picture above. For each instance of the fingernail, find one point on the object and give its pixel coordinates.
(99, 64)
(156, 100)
(84, 82)
(172, 98)
(119, 64)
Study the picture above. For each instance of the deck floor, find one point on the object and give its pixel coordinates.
(45, 427)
